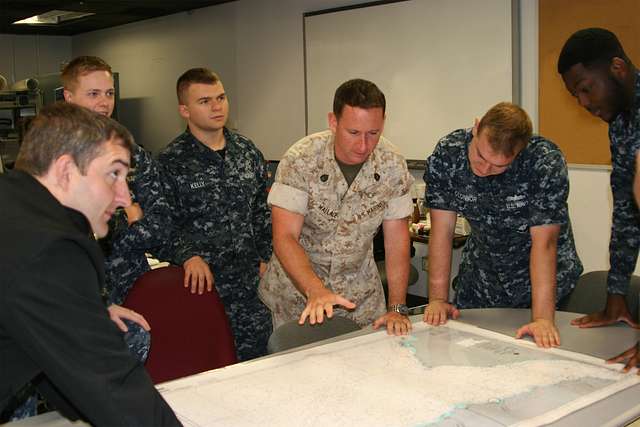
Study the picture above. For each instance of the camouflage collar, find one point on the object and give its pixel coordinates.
(231, 142)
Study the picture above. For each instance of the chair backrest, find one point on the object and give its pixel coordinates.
(590, 294)
(291, 334)
(190, 333)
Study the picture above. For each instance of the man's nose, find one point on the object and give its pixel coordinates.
(485, 168)
(123, 197)
(362, 144)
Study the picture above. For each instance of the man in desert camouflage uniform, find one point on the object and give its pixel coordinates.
(332, 191)
(603, 79)
(512, 187)
(217, 183)
(136, 229)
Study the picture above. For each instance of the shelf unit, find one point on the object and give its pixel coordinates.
(17, 108)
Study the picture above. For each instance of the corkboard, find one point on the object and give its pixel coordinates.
(582, 137)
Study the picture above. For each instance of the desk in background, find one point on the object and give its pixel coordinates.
(420, 288)
(458, 239)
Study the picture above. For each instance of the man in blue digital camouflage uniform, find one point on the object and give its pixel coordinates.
(217, 181)
(512, 187)
(136, 229)
(596, 70)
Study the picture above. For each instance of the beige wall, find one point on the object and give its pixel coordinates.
(28, 56)
(256, 46)
(150, 55)
(271, 70)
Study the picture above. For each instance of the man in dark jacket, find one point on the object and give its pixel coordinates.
(55, 332)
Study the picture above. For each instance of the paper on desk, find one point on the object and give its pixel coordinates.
(378, 380)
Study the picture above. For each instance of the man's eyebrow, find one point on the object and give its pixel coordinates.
(122, 162)
(204, 98)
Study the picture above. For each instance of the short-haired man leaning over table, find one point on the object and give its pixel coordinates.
(512, 187)
(332, 191)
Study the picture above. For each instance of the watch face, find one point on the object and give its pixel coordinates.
(400, 308)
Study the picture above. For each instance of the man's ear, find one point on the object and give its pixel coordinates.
(68, 95)
(333, 121)
(619, 68)
(184, 111)
(474, 130)
(62, 171)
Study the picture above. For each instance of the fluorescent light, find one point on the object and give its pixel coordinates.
(53, 17)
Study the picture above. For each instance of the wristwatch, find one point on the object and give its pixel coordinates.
(399, 308)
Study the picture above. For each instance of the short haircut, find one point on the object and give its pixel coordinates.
(590, 47)
(79, 67)
(508, 128)
(65, 128)
(194, 75)
(358, 93)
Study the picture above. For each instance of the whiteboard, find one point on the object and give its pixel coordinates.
(440, 64)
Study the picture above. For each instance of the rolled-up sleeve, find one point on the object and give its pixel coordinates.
(399, 207)
(289, 198)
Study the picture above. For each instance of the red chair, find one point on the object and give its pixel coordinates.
(189, 333)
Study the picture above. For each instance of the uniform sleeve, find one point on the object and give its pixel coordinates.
(180, 248)
(549, 190)
(154, 226)
(261, 214)
(59, 319)
(289, 188)
(625, 234)
(401, 205)
(438, 180)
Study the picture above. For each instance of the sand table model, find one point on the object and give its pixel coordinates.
(452, 375)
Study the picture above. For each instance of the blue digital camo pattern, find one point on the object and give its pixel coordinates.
(220, 213)
(138, 340)
(624, 134)
(249, 318)
(501, 209)
(125, 259)
(125, 247)
(27, 409)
